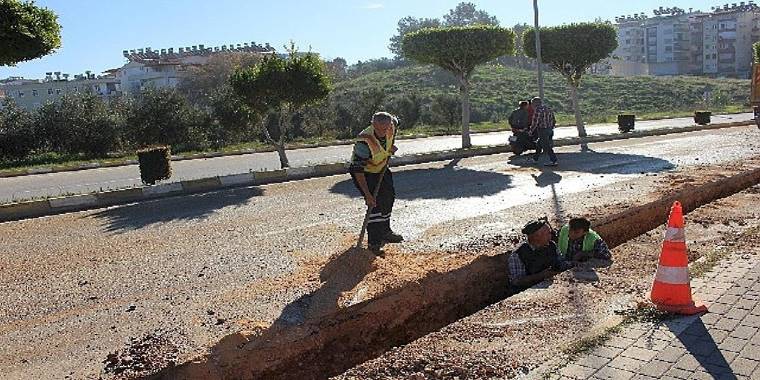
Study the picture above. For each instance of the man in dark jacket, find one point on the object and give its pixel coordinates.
(519, 120)
(536, 259)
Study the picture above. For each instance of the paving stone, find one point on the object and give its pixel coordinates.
(619, 342)
(593, 361)
(575, 371)
(652, 344)
(728, 299)
(755, 339)
(639, 353)
(750, 351)
(700, 375)
(736, 313)
(607, 352)
(743, 332)
(626, 363)
(746, 304)
(613, 374)
(671, 354)
(678, 373)
(751, 320)
(655, 368)
(743, 366)
(687, 362)
(718, 336)
(733, 344)
(710, 318)
(727, 324)
(632, 334)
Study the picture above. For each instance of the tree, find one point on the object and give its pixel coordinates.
(459, 50)
(467, 14)
(571, 50)
(164, 117)
(407, 108)
(207, 86)
(408, 25)
(282, 86)
(338, 68)
(26, 32)
(756, 52)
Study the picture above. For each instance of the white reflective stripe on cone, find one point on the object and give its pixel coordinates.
(378, 220)
(675, 234)
(672, 275)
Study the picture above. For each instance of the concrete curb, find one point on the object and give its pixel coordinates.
(94, 165)
(52, 206)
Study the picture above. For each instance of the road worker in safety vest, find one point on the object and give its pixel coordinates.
(578, 242)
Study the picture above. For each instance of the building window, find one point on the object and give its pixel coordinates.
(50, 91)
(21, 94)
(627, 42)
(58, 91)
(34, 93)
(668, 48)
(715, 56)
(707, 56)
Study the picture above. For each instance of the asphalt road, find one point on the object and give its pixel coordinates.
(55, 184)
(196, 268)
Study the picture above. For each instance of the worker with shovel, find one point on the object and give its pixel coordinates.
(369, 171)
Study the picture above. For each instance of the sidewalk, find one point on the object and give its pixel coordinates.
(721, 344)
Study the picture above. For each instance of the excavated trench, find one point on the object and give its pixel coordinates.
(329, 345)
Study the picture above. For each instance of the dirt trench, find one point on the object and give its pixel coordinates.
(327, 345)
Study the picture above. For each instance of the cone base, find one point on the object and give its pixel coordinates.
(690, 309)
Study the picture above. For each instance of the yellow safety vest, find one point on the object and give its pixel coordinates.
(380, 154)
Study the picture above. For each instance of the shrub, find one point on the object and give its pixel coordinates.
(79, 123)
(17, 138)
(155, 164)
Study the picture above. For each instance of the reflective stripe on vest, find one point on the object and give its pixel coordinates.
(380, 154)
(589, 240)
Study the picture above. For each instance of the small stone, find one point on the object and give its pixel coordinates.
(131, 308)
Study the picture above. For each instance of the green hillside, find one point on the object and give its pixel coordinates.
(496, 89)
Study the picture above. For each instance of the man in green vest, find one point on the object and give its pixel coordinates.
(578, 242)
(372, 150)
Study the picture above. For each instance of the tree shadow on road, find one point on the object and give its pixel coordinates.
(591, 161)
(181, 208)
(448, 182)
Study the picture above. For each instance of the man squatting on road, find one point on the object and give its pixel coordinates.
(372, 150)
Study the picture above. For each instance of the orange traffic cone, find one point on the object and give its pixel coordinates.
(671, 290)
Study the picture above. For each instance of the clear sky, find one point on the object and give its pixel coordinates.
(94, 32)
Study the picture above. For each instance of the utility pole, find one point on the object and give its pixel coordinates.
(538, 51)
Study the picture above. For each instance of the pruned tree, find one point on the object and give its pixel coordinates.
(571, 50)
(756, 52)
(282, 86)
(26, 32)
(459, 50)
(468, 14)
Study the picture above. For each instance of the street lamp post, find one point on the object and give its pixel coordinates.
(538, 52)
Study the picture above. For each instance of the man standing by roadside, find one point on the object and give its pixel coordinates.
(372, 150)
(543, 125)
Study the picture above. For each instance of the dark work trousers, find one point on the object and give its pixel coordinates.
(380, 217)
(545, 144)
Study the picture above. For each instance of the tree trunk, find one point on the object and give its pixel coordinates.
(464, 89)
(577, 109)
(284, 124)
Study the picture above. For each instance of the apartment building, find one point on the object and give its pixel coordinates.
(688, 42)
(33, 93)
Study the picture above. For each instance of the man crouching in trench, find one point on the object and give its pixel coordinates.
(536, 259)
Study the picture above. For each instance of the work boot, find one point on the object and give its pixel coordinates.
(376, 248)
(392, 237)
